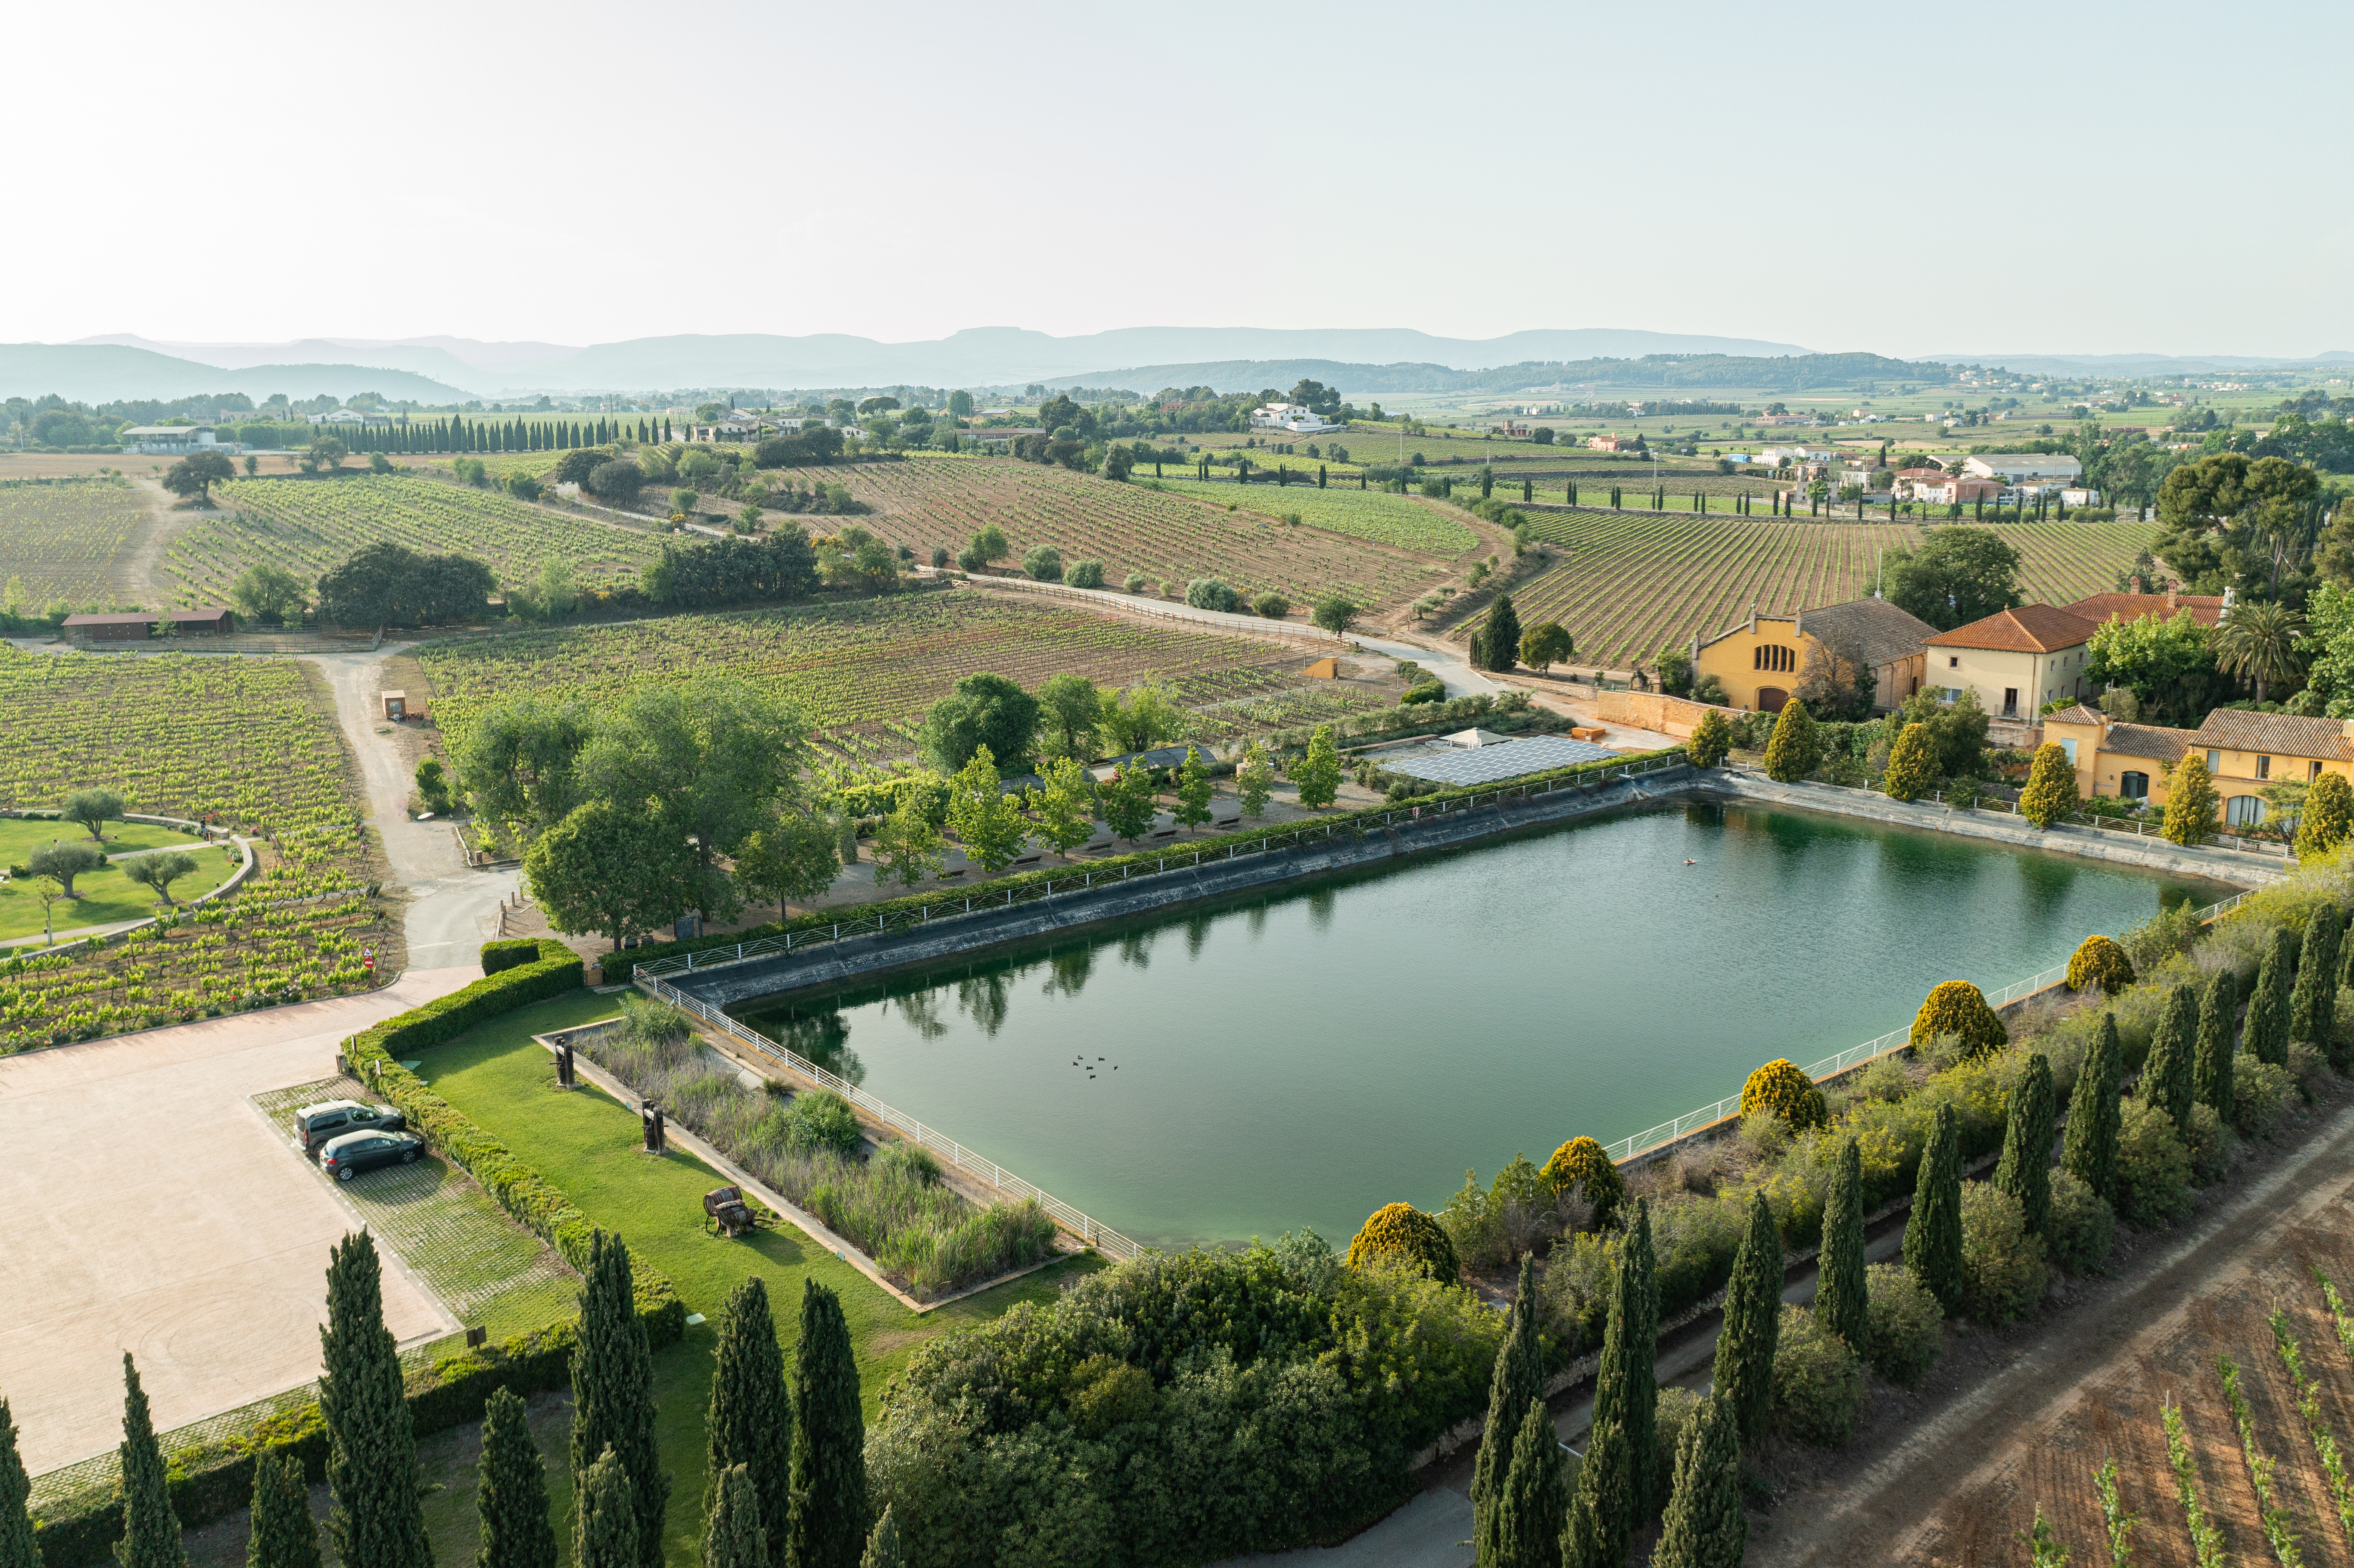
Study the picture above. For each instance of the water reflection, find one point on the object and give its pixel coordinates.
(984, 999)
(1067, 971)
(1197, 931)
(823, 1038)
(921, 1009)
(1135, 950)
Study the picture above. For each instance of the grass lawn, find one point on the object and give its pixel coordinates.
(106, 895)
(587, 1145)
(20, 836)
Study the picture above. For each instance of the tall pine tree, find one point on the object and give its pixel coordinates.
(2211, 1074)
(1933, 1231)
(751, 1418)
(1705, 1527)
(827, 1526)
(378, 1517)
(2312, 1003)
(150, 1531)
(2167, 1072)
(732, 1536)
(2025, 1168)
(283, 1533)
(882, 1545)
(2266, 1036)
(613, 1392)
(512, 1494)
(604, 1517)
(1839, 1301)
(1626, 1385)
(2094, 1114)
(1603, 1505)
(1743, 1374)
(17, 1547)
(1535, 1507)
(1517, 1378)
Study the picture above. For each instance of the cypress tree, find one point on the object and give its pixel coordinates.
(2094, 1114)
(1743, 1374)
(378, 1517)
(512, 1497)
(1601, 1512)
(2312, 1004)
(1625, 1384)
(882, 1545)
(1518, 1378)
(1705, 1526)
(2173, 1048)
(18, 1549)
(751, 1419)
(2025, 1168)
(2266, 1035)
(1933, 1232)
(2210, 1076)
(1498, 640)
(150, 1531)
(1534, 1507)
(604, 1523)
(732, 1536)
(1839, 1301)
(283, 1533)
(613, 1394)
(827, 1526)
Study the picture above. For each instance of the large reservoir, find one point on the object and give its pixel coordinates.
(1302, 1056)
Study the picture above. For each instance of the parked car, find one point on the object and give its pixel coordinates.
(353, 1152)
(315, 1125)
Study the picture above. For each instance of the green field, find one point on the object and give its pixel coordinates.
(105, 896)
(1375, 515)
(308, 526)
(68, 539)
(1632, 582)
(863, 672)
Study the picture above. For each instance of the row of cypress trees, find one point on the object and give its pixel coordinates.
(457, 434)
(788, 1463)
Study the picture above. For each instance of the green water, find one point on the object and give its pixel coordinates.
(1305, 1055)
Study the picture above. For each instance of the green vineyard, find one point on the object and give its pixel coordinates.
(308, 526)
(65, 539)
(1374, 514)
(1636, 581)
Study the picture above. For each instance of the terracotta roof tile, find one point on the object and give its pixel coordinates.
(2153, 741)
(2030, 628)
(2277, 734)
(2206, 610)
(2080, 714)
(1884, 633)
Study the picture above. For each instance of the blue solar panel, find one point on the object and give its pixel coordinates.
(1489, 763)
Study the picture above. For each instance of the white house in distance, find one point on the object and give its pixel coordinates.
(173, 440)
(2017, 467)
(1296, 418)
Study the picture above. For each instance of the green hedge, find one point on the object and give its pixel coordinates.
(655, 951)
(215, 1480)
(512, 953)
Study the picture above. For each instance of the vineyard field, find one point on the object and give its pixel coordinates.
(863, 672)
(308, 526)
(1372, 515)
(1636, 581)
(248, 744)
(929, 501)
(68, 539)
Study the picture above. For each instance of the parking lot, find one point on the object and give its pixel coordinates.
(151, 1207)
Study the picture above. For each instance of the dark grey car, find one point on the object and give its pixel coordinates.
(353, 1152)
(316, 1125)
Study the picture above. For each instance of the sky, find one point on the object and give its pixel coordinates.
(2003, 178)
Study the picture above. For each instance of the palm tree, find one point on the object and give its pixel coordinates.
(2259, 641)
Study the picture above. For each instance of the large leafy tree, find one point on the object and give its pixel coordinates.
(196, 473)
(379, 1515)
(520, 759)
(986, 819)
(1070, 710)
(1065, 807)
(387, 584)
(1959, 575)
(92, 809)
(2234, 520)
(266, 591)
(2259, 641)
(64, 862)
(984, 710)
(795, 855)
(1318, 773)
(2168, 664)
(610, 870)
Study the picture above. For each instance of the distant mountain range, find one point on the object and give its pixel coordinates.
(1569, 379)
(105, 372)
(2108, 364)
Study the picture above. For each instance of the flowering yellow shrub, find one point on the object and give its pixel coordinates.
(1959, 1008)
(1783, 1088)
(2100, 962)
(1581, 1161)
(1401, 1233)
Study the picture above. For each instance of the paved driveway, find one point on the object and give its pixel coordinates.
(149, 1208)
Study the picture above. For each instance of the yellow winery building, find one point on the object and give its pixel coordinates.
(2244, 751)
(1762, 661)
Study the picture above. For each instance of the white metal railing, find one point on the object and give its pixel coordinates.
(1893, 1041)
(719, 956)
(1083, 1225)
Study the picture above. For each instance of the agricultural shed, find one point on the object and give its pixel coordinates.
(1463, 766)
(119, 628)
(204, 620)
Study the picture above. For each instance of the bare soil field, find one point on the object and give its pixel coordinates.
(2015, 1418)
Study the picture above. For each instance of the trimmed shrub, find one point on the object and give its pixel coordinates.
(1086, 574)
(2003, 1274)
(2153, 1169)
(2098, 961)
(2051, 791)
(2210, 1143)
(1783, 1088)
(1271, 605)
(1795, 747)
(1581, 1164)
(510, 954)
(2260, 1096)
(1907, 1331)
(1043, 564)
(1210, 593)
(1818, 1387)
(1401, 1234)
(2083, 1227)
(1959, 1008)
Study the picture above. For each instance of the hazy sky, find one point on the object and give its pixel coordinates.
(1911, 180)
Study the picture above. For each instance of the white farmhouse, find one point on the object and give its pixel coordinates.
(1297, 417)
(2017, 467)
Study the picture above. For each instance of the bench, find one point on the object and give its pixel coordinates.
(1164, 833)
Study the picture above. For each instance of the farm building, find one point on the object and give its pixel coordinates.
(134, 627)
(1762, 661)
(1615, 443)
(2206, 609)
(2244, 752)
(2016, 659)
(2018, 466)
(204, 620)
(171, 440)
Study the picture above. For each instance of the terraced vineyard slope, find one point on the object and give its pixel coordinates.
(863, 672)
(308, 526)
(1634, 581)
(931, 502)
(68, 538)
(1374, 514)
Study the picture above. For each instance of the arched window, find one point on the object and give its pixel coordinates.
(2243, 810)
(2132, 786)
(1772, 656)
